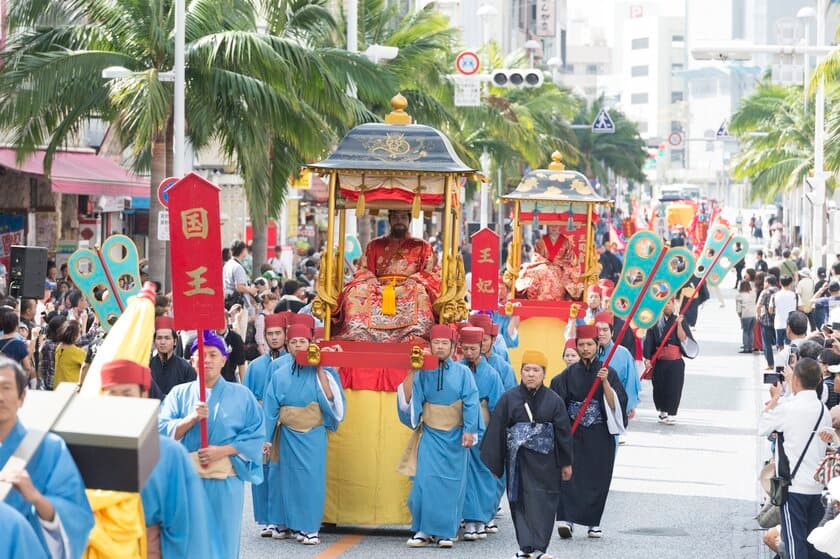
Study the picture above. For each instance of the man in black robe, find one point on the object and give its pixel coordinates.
(529, 438)
(168, 370)
(669, 369)
(583, 497)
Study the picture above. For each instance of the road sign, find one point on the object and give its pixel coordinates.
(163, 191)
(163, 226)
(603, 124)
(675, 139)
(722, 132)
(467, 91)
(467, 63)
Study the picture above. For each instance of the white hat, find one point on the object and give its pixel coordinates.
(805, 273)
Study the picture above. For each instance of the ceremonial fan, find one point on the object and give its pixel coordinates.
(107, 277)
(646, 286)
(723, 250)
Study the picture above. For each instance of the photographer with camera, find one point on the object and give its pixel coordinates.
(795, 420)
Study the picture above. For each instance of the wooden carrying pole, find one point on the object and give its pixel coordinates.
(648, 372)
(623, 331)
(202, 386)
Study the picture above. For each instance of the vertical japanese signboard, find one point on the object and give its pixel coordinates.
(484, 291)
(546, 17)
(195, 232)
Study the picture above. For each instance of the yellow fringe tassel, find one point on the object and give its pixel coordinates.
(360, 204)
(389, 299)
(415, 207)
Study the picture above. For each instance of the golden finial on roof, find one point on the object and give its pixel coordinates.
(556, 162)
(398, 115)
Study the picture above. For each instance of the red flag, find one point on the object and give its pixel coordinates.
(195, 233)
(484, 289)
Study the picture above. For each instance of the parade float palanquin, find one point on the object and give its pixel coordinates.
(395, 165)
(553, 196)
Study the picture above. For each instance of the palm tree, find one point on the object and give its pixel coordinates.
(623, 151)
(777, 139)
(239, 91)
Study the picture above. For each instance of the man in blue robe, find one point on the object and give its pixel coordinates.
(446, 399)
(496, 360)
(49, 491)
(256, 380)
(16, 536)
(481, 498)
(301, 404)
(174, 503)
(622, 361)
(236, 432)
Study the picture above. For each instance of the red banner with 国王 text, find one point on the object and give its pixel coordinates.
(484, 288)
(195, 234)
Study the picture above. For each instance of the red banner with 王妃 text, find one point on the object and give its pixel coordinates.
(484, 288)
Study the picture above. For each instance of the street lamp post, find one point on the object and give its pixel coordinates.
(532, 47)
(485, 12)
(819, 146)
(179, 118)
(738, 50)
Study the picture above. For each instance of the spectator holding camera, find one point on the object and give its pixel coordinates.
(795, 420)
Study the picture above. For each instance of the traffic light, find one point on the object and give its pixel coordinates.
(517, 77)
(662, 148)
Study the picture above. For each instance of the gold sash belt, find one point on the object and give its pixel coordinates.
(436, 416)
(220, 469)
(297, 418)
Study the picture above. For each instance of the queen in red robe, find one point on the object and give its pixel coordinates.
(390, 297)
(554, 273)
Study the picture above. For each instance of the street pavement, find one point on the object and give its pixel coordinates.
(679, 492)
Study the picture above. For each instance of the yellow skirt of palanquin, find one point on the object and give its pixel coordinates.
(543, 334)
(120, 529)
(363, 486)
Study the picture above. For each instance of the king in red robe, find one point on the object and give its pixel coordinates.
(390, 297)
(554, 273)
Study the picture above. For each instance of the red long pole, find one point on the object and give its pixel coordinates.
(202, 387)
(648, 372)
(621, 333)
(115, 293)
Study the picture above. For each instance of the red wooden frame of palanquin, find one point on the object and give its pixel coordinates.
(353, 360)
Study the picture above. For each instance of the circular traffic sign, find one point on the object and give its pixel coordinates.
(163, 190)
(675, 139)
(467, 63)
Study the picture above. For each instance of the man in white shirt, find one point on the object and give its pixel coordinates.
(783, 303)
(798, 418)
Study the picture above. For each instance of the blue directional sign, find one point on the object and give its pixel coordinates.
(603, 124)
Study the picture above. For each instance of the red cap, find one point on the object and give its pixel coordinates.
(164, 323)
(318, 333)
(299, 331)
(306, 319)
(495, 331)
(607, 287)
(276, 320)
(594, 288)
(585, 331)
(124, 371)
(471, 335)
(604, 316)
(482, 321)
(442, 332)
(571, 343)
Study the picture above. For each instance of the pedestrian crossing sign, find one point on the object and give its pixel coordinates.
(603, 124)
(723, 131)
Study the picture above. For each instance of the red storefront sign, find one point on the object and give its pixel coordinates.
(195, 234)
(484, 291)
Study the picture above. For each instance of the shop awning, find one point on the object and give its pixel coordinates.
(80, 173)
